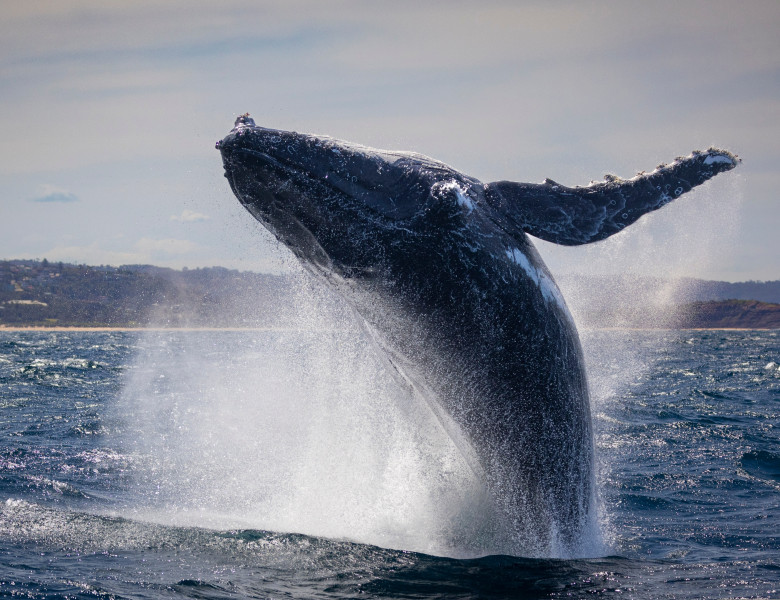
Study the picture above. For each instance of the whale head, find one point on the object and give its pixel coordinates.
(341, 207)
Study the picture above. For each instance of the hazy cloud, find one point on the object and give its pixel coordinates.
(164, 252)
(51, 193)
(93, 254)
(190, 216)
(167, 246)
(128, 99)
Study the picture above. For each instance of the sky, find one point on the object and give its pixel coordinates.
(109, 112)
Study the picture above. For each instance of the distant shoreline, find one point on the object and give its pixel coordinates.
(44, 296)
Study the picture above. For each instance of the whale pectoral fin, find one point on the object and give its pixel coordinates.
(581, 215)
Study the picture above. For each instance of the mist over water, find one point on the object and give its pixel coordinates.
(653, 260)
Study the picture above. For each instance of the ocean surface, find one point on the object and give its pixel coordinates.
(283, 464)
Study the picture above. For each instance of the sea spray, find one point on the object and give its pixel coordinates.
(297, 430)
(638, 279)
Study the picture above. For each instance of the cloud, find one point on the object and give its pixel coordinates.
(50, 193)
(168, 246)
(140, 91)
(92, 254)
(164, 252)
(189, 216)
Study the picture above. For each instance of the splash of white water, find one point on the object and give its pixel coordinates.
(689, 238)
(296, 430)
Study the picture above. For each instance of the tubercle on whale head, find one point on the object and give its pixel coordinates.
(244, 121)
(241, 124)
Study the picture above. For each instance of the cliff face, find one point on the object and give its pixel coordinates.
(746, 314)
(606, 288)
(726, 314)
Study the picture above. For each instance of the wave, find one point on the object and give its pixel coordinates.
(196, 562)
(762, 464)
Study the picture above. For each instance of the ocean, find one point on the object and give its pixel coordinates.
(284, 464)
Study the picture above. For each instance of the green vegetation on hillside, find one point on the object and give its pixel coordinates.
(45, 293)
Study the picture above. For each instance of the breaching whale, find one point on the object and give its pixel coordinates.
(441, 269)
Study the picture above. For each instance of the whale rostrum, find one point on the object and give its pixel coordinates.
(440, 268)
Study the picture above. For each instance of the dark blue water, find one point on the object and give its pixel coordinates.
(107, 475)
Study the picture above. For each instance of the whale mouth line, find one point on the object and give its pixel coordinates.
(272, 167)
(279, 166)
(263, 156)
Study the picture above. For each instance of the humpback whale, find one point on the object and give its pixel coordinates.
(440, 268)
